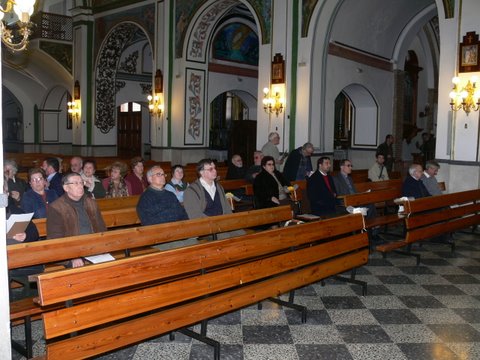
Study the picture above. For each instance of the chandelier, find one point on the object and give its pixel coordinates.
(155, 101)
(466, 97)
(15, 33)
(74, 105)
(273, 101)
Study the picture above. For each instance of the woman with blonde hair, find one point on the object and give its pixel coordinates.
(115, 185)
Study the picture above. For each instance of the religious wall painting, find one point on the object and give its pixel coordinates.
(197, 40)
(238, 43)
(307, 11)
(468, 56)
(194, 107)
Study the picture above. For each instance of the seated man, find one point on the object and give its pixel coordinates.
(236, 169)
(321, 190)
(255, 169)
(378, 171)
(157, 205)
(204, 197)
(76, 165)
(428, 177)
(413, 185)
(74, 213)
(345, 186)
(51, 166)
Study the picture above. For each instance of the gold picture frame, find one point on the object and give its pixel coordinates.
(468, 53)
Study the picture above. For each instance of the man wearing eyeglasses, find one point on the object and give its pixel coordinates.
(204, 197)
(74, 213)
(343, 181)
(157, 205)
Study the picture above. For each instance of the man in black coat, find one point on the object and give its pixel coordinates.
(299, 164)
(413, 185)
(321, 190)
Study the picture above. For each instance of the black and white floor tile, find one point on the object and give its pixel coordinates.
(430, 311)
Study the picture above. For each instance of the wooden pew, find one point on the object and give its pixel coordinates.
(375, 197)
(113, 218)
(56, 250)
(152, 298)
(434, 216)
(379, 185)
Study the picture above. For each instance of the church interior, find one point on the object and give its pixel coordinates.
(179, 81)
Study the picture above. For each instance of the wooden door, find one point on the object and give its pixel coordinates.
(129, 133)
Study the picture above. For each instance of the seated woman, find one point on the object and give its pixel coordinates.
(16, 186)
(269, 186)
(93, 185)
(137, 178)
(115, 185)
(36, 199)
(176, 184)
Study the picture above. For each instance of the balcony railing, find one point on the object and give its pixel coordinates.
(52, 26)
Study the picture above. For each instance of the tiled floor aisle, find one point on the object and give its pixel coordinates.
(431, 311)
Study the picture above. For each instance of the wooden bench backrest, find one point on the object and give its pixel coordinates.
(441, 214)
(235, 184)
(47, 251)
(112, 218)
(379, 185)
(118, 202)
(239, 272)
(372, 197)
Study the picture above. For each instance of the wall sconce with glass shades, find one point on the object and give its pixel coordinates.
(74, 105)
(274, 97)
(465, 97)
(155, 101)
(22, 10)
(273, 102)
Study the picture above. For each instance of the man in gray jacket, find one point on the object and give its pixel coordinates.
(428, 177)
(205, 197)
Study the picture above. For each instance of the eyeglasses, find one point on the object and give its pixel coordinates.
(76, 183)
(210, 169)
(37, 179)
(348, 165)
(159, 174)
(270, 164)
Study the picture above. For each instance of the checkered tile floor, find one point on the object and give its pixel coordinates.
(430, 311)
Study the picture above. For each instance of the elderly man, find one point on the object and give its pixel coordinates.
(299, 164)
(51, 167)
(378, 171)
(321, 190)
(76, 164)
(38, 198)
(428, 177)
(255, 169)
(204, 197)
(74, 213)
(271, 149)
(413, 185)
(236, 169)
(157, 205)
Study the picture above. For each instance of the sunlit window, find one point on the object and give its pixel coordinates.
(135, 107)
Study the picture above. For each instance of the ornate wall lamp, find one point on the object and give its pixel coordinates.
(465, 97)
(155, 101)
(74, 105)
(274, 97)
(15, 37)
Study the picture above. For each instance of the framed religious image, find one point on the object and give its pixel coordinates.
(278, 69)
(468, 58)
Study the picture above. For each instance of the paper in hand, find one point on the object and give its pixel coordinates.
(17, 223)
